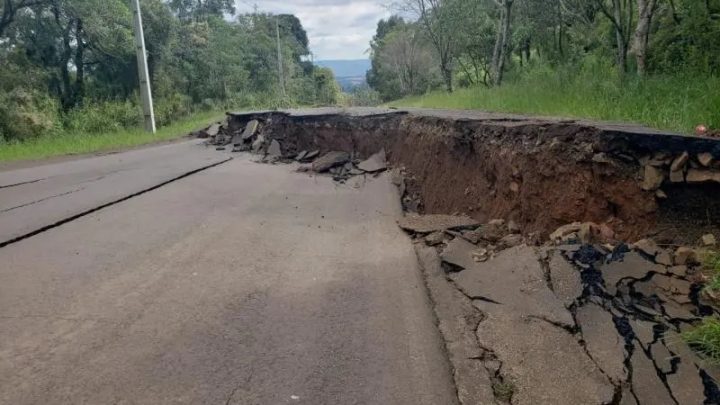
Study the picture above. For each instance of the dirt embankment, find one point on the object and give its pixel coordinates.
(539, 173)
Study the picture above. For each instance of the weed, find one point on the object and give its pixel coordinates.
(504, 390)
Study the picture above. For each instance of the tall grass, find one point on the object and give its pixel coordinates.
(676, 103)
(78, 142)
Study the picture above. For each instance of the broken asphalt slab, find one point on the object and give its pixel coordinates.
(436, 222)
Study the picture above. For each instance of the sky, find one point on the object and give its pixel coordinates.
(337, 29)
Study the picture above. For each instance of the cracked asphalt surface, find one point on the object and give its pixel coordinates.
(243, 283)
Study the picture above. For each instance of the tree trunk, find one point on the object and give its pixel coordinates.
(79, 88)
(496, 50)
(505, 39)
(447, 74)
(620, 38)
(646, 9)
(7, 15)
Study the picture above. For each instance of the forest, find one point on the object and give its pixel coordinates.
(70, 65)
(649, 61)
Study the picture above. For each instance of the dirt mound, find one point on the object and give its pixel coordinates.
(539, 173)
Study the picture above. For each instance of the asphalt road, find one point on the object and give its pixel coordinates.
(244, 283)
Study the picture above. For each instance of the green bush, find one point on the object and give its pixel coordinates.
(25, 115)
(105, 116)
(170, 109)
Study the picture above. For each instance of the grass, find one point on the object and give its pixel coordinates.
(674, 103)
(705, 337)
(78, 143)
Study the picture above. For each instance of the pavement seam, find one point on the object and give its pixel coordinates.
(41, 200)
(22, 183)
(109, 204)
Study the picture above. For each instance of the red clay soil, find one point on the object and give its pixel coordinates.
(542, 174)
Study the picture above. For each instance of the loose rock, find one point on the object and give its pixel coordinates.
(679, 163)
(647, 246)
(652, 179)
(702, 176)
(709, 240)
(565, 230)
(705, 159)
(685, 255)
(663, 257)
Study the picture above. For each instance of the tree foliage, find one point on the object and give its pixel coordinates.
(62, 61)
(483, 41)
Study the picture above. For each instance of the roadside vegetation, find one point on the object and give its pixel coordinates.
(705, 337)
(68, 70)
(654, 62)
(73, 142)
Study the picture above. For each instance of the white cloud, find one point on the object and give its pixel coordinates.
(337, 29)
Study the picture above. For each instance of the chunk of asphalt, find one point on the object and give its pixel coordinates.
(311, 155)
(213, 130)
(374, 163)
(515, 279)
(435, 222)
(250, 130)
(662, 356)
(330, 160)
(648, 387)
(565, 279)
(633, 266)
(545, 363)
(603, 341)
(274, 149)
(458, 252)
(258, 143)
(643, 331)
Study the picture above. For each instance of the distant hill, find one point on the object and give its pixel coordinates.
(348, 73)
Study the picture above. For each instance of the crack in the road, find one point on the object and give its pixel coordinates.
(21, 183)
(109, 204)
(41, 200)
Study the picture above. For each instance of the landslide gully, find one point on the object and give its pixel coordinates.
(539, 173)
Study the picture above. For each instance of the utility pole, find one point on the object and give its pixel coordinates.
(145, 92)
(280, 69)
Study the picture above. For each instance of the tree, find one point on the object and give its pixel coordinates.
(438, 19)
(201, 9)
(10, 8)
(620, 14)
(646, 11)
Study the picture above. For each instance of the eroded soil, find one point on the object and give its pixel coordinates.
(540, 173)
